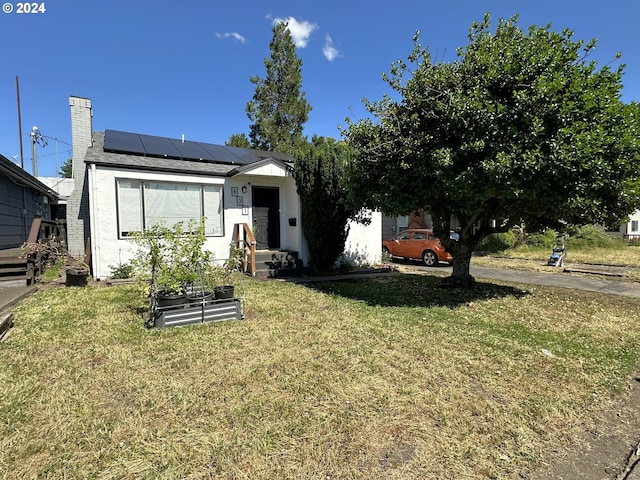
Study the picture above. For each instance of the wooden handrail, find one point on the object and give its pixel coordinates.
(246, 240)
(41, 229)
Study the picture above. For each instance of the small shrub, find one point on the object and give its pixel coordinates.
(121, 271)
(544, 239)
(589, 236)
(498, 242)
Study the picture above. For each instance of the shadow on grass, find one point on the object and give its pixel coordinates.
(406, 290)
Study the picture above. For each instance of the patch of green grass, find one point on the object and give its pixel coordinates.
(388, 377)
(52, 271)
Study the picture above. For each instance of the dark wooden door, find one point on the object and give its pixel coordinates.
(266, 216)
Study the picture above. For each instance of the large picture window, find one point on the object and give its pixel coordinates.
(142, 204)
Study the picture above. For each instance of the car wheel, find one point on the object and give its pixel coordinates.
(429, 258)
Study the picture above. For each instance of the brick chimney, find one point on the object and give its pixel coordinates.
(78, 202)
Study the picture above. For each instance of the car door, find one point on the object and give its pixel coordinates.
(401, 244)
(418, 243)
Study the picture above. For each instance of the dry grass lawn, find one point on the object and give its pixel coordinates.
(531, 259)
(388, 377)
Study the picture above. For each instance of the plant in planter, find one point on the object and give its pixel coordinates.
(225, 288)
(169, 257)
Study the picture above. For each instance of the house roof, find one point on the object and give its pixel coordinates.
(20, 177)
(145, 152)
(286, 166)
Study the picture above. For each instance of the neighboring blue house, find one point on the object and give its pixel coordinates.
(22, 199)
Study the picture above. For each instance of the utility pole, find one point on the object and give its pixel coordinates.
(36, 138)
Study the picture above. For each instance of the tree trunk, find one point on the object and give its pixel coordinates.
(461, 276)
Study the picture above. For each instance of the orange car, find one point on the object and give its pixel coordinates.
(417, 244)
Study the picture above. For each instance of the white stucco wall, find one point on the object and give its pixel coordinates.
(108, 250)
(364, 243)
(627, 228)
(62, 186)
(290, 236)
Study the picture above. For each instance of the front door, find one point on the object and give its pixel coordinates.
(266, 216)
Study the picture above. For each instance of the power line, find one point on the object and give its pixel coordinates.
(57, 140)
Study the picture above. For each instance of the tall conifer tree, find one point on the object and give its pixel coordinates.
(279, 109)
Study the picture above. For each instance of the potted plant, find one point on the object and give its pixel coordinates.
(230, 268)
(169, 258)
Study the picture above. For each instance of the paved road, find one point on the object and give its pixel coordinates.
(552, 279)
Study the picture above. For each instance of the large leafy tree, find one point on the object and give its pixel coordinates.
(520, 128)
(279, 109)
(320, 181)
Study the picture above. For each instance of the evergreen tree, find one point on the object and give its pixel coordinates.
(279, 108)
(320, 181)
(66, 170)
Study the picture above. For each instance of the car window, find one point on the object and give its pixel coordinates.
(432, 236)
(404, 236)
(419, 236)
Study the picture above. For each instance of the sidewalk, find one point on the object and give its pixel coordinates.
(9, 296)
(551, 279)
(561, 280)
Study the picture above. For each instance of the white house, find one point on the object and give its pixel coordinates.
(125, 181)
(631, 229)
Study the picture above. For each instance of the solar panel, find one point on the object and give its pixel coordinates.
(246, 157)
(117, 141)
(222, 154)
(140, 144)
(191, 150)
(159, 146)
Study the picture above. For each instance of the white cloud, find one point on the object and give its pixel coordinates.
(329, 51)
(234, 35)
(300, 30)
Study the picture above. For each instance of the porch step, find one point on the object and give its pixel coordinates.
(15, 269)
(276, 263)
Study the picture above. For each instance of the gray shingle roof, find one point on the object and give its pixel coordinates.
(20, 177)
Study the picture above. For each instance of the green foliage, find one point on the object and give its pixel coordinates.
(223, 275)
(171, 257)
(122, 271)
(589, 236)
(239, 140)
(498, 242)
(53, 270)
(66, 170)
(319, 176)
(279, 109)
(543, 239)
(520, 128)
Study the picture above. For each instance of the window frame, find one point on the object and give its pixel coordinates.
(142, 197)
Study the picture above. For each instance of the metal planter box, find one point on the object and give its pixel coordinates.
(204, 312)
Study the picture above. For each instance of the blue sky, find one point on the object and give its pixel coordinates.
(170, 68)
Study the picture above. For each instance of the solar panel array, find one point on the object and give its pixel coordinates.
(149, 145)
